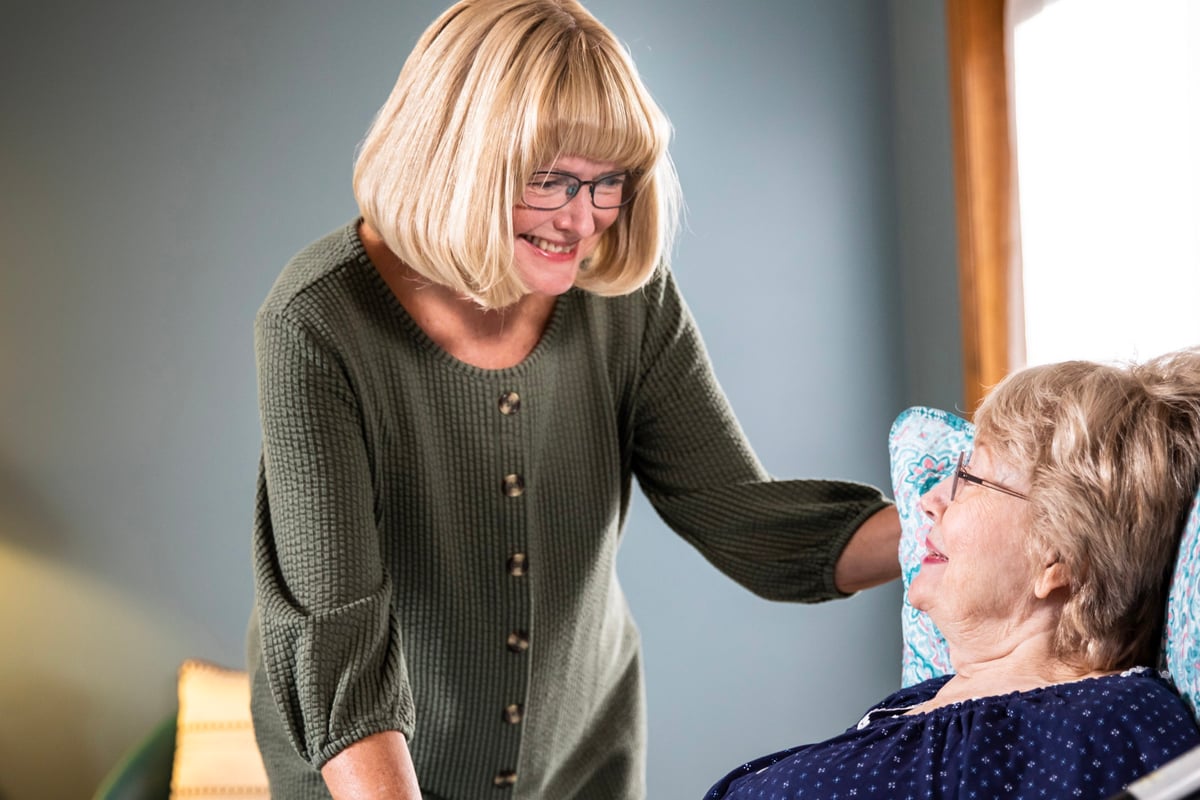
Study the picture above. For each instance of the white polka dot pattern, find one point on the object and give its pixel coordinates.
(1086, 739)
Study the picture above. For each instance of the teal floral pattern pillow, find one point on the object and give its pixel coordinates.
(1181, 639)
(923, 445)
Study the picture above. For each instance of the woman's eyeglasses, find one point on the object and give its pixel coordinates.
(961, 474)
(550, 191)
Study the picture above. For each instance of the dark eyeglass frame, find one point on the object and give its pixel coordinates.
(627, 191)
(961, 474)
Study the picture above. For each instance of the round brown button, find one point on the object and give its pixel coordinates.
(505, 779)
(514, 485)
(518, 641)
(510, 403)
(513, 713)
(517, 565)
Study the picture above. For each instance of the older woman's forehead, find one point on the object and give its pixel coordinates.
(998, 463)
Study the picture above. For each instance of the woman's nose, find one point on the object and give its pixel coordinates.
(933, 503)
(578, 215)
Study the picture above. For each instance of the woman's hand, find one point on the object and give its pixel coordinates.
(871, 556)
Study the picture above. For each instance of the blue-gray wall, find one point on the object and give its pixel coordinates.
(159, 161)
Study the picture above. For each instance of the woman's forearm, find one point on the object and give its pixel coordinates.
(375, 768)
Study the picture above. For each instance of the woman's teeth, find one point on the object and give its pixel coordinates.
(549, 247)
(933, 553)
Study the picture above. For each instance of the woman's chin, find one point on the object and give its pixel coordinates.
(919, 593)
(552, 282)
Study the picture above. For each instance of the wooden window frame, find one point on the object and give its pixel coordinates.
(983, 169)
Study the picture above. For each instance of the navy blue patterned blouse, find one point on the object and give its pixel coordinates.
(1085, 739)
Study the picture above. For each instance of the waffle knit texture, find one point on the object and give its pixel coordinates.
(396, 485)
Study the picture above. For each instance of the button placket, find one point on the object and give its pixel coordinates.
(517, 642)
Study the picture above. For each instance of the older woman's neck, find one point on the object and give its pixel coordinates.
(1017, 662)
(1023, 659)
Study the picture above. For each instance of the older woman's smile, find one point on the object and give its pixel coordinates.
(933, 555)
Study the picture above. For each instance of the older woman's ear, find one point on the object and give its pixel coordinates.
(1052, 577)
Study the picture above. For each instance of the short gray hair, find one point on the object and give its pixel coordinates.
(1113, 455)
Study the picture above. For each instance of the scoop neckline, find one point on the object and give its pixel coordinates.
(527, 364)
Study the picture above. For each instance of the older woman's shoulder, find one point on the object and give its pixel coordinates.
(1135, 714)
(1129, 696)
(1131, 684)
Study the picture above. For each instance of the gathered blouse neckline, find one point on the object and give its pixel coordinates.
(958, 706)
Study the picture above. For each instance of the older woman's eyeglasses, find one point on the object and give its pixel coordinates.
(961, 474)
(550, 191)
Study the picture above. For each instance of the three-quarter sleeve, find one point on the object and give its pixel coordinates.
(779, 538)
(331, 646)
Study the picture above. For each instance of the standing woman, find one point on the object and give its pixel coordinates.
(456, 391)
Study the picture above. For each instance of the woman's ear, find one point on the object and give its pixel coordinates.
(1053, 576)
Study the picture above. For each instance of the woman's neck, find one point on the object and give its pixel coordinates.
(485, 338)
(1001, 663)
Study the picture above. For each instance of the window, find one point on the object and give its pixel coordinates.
(1099, 256)
(1107, 111)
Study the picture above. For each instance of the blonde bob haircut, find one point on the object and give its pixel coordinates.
(1113, 453)
(493, 91)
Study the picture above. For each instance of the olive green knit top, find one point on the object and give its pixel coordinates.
(435, 544)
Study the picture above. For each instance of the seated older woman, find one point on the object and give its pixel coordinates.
(1046, 571)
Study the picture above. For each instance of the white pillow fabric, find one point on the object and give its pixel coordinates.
(216, 755)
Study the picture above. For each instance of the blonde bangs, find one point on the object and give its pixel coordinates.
(595, 109)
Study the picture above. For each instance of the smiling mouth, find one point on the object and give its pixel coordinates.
(548, 246)
(933, 554)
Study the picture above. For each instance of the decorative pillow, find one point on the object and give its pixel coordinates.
(216, 755)
(1181, 639)
(923, 445)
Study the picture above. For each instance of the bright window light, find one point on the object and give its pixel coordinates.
(1107, 104)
